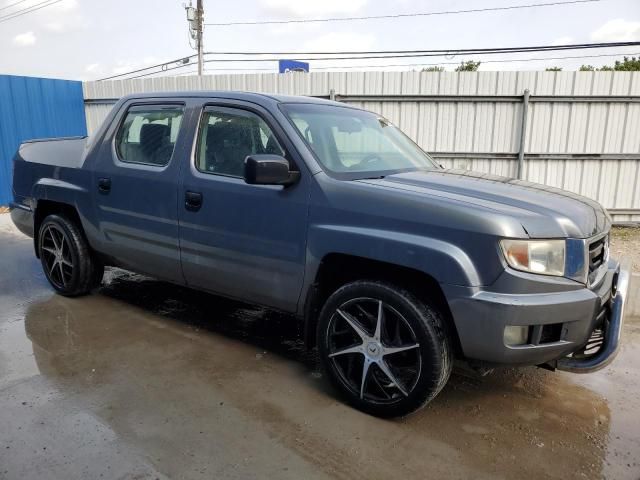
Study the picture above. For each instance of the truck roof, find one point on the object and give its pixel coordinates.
(264, 99)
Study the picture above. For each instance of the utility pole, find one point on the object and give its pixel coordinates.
(195, 19)
(200, 17)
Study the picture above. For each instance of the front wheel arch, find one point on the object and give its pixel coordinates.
(362, 366)
(336, 270)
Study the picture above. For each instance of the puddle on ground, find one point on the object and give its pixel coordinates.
(157, 362)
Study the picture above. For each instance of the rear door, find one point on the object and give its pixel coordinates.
(136, 189)
(240, 240)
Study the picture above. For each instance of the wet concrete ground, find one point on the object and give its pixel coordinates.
(148, 380)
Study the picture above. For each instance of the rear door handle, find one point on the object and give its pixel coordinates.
(104, 185)
(192, 201)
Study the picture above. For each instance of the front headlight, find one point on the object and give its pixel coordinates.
(535, 256)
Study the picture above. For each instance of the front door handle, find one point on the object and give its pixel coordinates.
(104, 185)
(192, 201)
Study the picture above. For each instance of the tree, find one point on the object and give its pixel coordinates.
(433, 69)
(628, 64)
(553, 69)
(468, 66)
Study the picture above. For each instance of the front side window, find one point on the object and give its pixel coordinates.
(228, 136)
(148, 134)
(354, 143)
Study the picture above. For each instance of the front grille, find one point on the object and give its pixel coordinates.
(596, 339)
(598, 256)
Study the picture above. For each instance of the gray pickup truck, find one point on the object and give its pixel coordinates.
(395, 265)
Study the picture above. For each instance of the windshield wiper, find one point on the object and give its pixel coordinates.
(377, 177)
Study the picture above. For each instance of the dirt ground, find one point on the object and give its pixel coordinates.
(625, 242)
(147, 380)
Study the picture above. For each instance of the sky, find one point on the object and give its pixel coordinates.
(91, 39)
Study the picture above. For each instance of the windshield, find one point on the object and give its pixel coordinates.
(355, 143)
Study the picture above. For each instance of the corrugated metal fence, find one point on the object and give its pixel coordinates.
(35, 108)
(581, 129)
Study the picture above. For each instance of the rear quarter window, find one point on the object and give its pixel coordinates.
(148, 134)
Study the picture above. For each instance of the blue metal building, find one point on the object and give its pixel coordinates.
(35, 108)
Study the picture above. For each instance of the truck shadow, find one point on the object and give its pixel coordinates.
(267, 329)
(512, 422)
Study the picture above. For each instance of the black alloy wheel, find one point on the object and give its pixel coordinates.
(385, 351)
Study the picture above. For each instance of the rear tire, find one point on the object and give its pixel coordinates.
(383, 349)
(66, 257)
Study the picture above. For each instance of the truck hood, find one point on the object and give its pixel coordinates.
(543, 211)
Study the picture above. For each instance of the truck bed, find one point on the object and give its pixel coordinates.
(49, 169)
(66, 152)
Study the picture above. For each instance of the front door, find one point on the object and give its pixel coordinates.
(240, 240)
(136, 182)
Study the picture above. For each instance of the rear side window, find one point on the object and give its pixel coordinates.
(228, 136)
(148, 134)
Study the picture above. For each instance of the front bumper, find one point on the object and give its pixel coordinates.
(562, 316)
(611, 331)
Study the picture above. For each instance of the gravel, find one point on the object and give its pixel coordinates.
(625, 242)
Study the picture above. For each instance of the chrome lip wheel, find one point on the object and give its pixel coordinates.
(372, 332)
(57, 256)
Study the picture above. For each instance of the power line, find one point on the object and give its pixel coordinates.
(399, 15)
(426, 53)
(185, 60)
(29, 9)
(337, 67)
(439, 52)
(12, 5)
(383, 55)
(510, 60)
(153, 73)
(24, 11)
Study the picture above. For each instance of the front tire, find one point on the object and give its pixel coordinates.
(66, 258)
(383, 349)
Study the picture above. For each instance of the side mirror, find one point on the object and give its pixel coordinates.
(265, 169)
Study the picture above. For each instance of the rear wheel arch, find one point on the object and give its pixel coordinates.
(44, 208)
(336, 270)
(67, 260)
